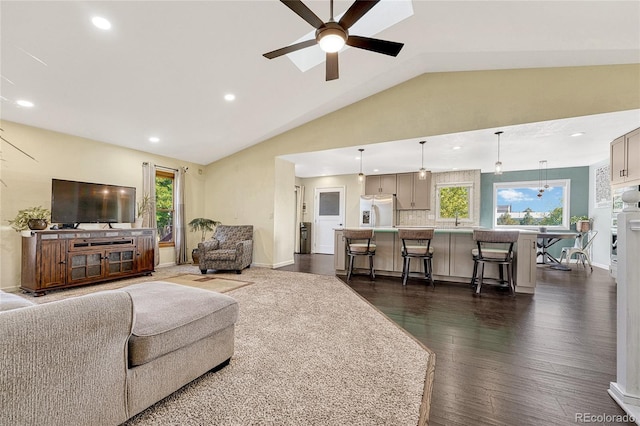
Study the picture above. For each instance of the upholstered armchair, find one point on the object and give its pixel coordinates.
(230, 248)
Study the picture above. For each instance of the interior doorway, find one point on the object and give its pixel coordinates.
(328, 215)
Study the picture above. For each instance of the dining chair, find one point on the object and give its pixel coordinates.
(493, 247)
(416, 244)
(359, 243)
(581, 249)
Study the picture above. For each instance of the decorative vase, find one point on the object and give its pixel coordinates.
(195, 254)
(37, 224)
(583, 226)
(137, 223)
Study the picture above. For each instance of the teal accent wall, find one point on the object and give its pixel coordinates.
(578, 192)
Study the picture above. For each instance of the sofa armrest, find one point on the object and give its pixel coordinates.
(65, 362)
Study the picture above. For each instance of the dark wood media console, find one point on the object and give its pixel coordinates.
(67, 258)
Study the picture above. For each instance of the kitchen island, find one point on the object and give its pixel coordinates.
(452, 259)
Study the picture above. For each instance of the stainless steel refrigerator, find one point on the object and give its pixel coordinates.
(377, 211)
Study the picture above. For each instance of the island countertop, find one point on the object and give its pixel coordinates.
(452, 260)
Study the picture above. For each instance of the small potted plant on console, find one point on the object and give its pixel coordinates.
(34, 218)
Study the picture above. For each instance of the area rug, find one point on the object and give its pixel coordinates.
(207, 282)
(308, 351)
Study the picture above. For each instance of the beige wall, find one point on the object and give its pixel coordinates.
(69, 157)
(242, 185)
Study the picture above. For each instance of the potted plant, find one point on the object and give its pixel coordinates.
(143, 208)
(583, 223)
(203, 225)
(35, 218)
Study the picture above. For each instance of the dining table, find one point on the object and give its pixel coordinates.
(548, 238)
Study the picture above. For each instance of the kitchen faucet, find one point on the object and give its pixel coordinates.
(457, 221)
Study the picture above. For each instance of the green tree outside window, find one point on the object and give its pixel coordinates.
(164, 206)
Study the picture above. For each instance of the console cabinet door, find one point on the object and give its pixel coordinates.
(84, 266)
(120, 261)
(145, 254)
(52, 263)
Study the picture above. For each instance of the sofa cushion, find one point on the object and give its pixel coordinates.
(9, 301)
(170, 316)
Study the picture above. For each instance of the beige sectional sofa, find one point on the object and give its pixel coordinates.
(102, 358)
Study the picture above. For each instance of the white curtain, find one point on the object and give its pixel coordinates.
(149, 188)
(299, 215)
(179, 221)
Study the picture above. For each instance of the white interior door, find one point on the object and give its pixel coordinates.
(328, 215)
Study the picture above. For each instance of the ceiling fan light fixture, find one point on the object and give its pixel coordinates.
(331, 38)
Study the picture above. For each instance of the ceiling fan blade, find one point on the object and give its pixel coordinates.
(304, 12)
(332, 66)
(355, 12)
(390, 48)
(289, 49)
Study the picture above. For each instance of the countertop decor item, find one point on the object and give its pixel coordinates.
(36, 218)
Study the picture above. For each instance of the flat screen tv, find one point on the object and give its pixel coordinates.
(83, 202)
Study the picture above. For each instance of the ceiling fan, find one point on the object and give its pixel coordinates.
(332, 35)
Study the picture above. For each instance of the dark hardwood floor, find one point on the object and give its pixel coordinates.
(503, 360)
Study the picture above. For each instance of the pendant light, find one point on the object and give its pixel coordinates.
(542, 169)
(422, 173)
(361, 175)
(498, 163)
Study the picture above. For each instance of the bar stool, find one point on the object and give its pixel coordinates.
(358, 243)
(416, 244)
(493, 247)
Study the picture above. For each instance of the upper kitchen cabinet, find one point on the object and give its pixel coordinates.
(625, 160)
(413, 193)
(380, 184)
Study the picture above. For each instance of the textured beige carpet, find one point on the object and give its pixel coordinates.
(309, 351)
(207, 282)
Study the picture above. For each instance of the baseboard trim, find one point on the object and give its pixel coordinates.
(14, 289)
(630, 404)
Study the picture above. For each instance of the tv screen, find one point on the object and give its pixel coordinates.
(83, 202)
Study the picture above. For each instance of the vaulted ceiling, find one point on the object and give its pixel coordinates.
(163, 68)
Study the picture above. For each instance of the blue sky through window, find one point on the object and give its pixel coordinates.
(522, 198)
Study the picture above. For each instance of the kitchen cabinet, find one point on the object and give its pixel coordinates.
(340, 257)
(625, 160)
(413, 193)
(67, 258)
(460, 259)
(525, 263)
(385, 249)
(380, 184)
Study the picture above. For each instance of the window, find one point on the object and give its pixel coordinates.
(454, 202)
(522, 204)
(165, 207)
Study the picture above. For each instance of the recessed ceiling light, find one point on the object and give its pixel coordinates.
(229, 97)
(577, 134)
(154, 139)
(457, 147)
(24, 103)
(376, 170)
(101, 23)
